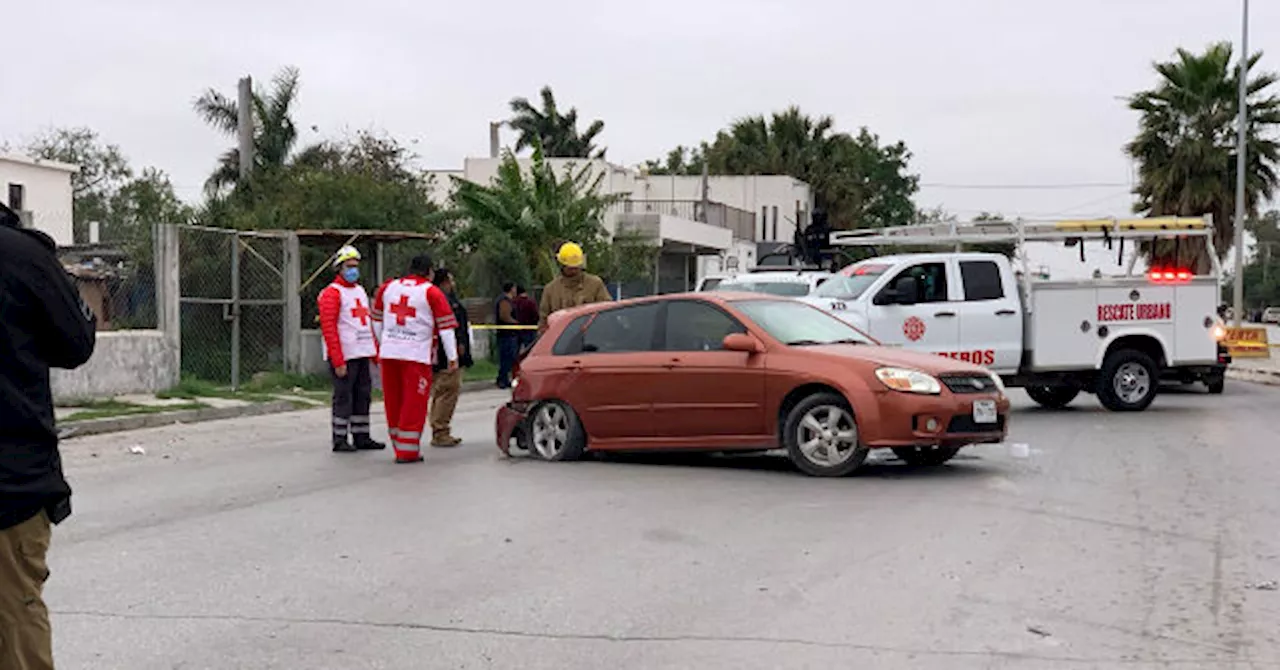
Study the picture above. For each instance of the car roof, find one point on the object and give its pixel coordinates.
(717, 297)
(793, 276)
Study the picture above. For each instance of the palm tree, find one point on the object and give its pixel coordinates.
(274, 132)
(858, 182)
(1186, 144)
(515, 224)
(558, 133)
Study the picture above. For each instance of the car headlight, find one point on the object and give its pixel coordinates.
(999, 382)
(909, 381)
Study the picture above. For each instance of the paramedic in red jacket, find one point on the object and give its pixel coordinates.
(413, 314)
(346, 326)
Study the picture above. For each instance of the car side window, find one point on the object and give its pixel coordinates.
(570, 341)
(931, 281)
(697, 326)
(981, 280)
(622, 329)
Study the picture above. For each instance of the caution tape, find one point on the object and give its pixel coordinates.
(493, 326)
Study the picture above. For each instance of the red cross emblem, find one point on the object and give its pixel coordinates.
(403, 311)
(360, 312)
(913, 328)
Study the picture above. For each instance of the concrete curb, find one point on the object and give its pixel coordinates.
(1268, 377)
(118, 424)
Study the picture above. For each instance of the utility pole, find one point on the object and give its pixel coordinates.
(1242, 129)
(244, 112)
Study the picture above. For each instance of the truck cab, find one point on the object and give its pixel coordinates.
(964, 306)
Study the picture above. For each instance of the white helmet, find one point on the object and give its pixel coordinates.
(346, 253)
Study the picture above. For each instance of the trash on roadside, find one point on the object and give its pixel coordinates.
(1020, 450)
(137, 450)
(1037, 630)
(1269, 585)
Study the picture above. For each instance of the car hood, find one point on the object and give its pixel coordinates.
(896, 357)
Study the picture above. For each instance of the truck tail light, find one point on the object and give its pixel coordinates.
(1169, 276)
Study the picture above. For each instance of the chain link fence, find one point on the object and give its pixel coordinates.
(232, 300)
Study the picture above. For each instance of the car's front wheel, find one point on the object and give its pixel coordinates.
(555, 433)
(1053, 397)
(821, 436)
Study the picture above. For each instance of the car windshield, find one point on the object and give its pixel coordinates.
(787, 289)
(851, 282)
(798, 324)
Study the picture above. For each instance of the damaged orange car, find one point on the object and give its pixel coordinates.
(726, 372)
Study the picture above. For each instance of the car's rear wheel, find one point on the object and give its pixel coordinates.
(1053, 397)
(822, 438)
(924, 456)
(555, 433)
(1217, 383)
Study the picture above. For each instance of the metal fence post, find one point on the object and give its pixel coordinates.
(235, 311)
(292, 282)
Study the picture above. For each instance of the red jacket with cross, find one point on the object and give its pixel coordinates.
(346, 323)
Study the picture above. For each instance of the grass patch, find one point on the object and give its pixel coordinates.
(103, 409)
(191, 388)
(482, 371)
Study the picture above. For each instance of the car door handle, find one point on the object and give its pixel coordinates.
(1005, 312)
(944, 314)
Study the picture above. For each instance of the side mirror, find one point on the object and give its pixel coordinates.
(742, 342)
(888, 296)
(907, 289)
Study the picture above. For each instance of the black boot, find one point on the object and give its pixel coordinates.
(366, 443)
(340, 444)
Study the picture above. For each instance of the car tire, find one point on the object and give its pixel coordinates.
(1128, 381)
(822, 438)
(1217, 384)
(925, 456)
(1053, 397)
(555, 433)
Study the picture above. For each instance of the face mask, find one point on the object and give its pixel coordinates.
(351, 274)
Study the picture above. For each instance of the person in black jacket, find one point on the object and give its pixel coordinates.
(448, 384)
(43, 324)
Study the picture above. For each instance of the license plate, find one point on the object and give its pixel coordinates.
(984, 411)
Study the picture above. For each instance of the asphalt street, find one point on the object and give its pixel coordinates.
(1113, 540)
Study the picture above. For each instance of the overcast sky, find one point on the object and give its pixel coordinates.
(984, 92)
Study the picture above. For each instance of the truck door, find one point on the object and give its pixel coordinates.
(990, 316)
(931, 324)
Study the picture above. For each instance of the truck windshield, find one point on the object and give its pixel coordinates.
(783, 288)
(851, 282)
(798, 324)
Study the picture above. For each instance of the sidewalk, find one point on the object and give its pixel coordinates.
(1258, 370)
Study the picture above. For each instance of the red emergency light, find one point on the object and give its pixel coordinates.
(1169, 276)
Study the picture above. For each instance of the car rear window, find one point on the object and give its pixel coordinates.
(780, 288)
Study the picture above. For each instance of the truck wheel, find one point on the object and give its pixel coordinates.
(1053, 397)
(924, 456)
(822, 437)
(1128, 381)
(1217, 384)
(556, 434)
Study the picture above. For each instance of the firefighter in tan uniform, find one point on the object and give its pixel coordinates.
(575, 286)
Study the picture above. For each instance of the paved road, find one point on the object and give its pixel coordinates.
(1121, 541)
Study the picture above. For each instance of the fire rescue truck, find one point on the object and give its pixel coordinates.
(1113, 336)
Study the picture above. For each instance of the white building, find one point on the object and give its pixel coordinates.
(40, 191)
(739, 213)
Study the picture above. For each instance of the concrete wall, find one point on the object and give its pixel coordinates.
(124, 361)
(46, 189)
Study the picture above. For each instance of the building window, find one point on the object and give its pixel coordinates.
(16, 193)
(764, 223)
(775, 223)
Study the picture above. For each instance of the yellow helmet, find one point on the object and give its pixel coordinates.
(570, 255)
(346, 253)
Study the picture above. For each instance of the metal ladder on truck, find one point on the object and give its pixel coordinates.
(956, 234)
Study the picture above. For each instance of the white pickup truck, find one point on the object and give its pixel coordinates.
(1111, 336)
